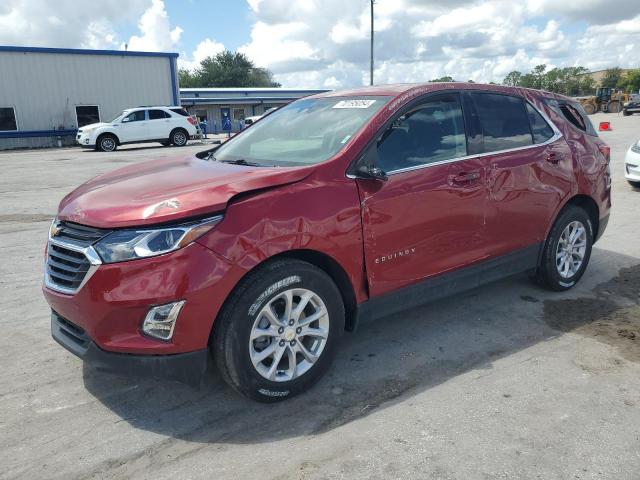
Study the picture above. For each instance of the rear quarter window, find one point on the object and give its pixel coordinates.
(573, 113)
(180, 111)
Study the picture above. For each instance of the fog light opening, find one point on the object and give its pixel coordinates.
(161, 320)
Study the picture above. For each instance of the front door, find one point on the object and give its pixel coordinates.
(428, 217)
(134, 127)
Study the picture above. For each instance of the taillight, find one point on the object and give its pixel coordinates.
(605, 150)
(192, 121)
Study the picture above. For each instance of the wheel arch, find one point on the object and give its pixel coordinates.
(320, 260)
(589, 205)
(102, 134)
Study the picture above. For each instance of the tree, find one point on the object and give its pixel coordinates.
(446, 78)
(187, 78)
(512, 79)
(611, 77)
(566, 80)
(227, 69)
(630, 81)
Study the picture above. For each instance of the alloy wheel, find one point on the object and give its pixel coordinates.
(289, 335)
(571, 249)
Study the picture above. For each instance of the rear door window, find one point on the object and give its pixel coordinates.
(503, 121)
(157, 114)
(539, 127)
(432, 132)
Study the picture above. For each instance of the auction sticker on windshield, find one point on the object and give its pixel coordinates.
(354, 104)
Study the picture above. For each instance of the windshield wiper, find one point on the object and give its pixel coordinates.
(242, 161)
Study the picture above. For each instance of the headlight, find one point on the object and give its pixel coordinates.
(123, 245)
(636, 147)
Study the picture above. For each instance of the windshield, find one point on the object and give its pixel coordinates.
(302, 133)
(120, 115)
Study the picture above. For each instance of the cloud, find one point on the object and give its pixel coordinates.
(326, 43)
(206, 48)
(155, 29)
(44, 23)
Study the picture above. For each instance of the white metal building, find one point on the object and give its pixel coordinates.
(47, 93)
(213, 104)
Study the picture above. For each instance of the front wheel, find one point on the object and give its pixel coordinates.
(567, 250)
(279, 331)
(107, 143)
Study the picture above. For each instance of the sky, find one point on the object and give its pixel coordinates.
(325, 43)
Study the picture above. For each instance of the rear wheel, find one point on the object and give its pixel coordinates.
(107, 143)
(179, 137)
(279, 331)
(567, 250)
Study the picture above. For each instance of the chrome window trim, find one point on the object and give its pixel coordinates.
(556, 136)
(90, 254)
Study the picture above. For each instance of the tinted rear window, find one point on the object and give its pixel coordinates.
(539, 127)
(503, 121)
(180, 111)
(157, 114)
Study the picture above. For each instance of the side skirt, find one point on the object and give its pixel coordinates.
(449, 283)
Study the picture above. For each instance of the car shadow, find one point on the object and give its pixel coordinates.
(390, 360)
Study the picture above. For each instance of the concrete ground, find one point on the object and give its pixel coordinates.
(506, 381)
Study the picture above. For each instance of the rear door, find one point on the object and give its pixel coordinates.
(134, 127)
(528, 171)
(428, 217)
(160, 124)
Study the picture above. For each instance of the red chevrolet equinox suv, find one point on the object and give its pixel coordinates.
(342, 206)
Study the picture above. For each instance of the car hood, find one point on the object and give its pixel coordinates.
(167, 190)
(93, 125)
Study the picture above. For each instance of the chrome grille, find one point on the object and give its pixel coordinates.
(70, 256)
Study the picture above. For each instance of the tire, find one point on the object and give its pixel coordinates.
(589, 108)
(107, 143)
(238, 358)
(552, 272)
(626, 113)
(635, 185)
(614, 107)
(179, 137)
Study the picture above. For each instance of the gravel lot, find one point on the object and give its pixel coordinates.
(506, 381)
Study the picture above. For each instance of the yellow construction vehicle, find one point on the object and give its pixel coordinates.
(608, 100)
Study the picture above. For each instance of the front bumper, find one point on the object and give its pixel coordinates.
(632, 166)
(187, 368)
(85, 140)
(111, 306)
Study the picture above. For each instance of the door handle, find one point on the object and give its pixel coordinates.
(464, 179)
(552, 158)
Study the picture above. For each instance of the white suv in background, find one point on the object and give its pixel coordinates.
(167, 125)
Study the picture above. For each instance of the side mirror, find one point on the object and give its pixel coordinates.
(125, 120)
(371, 173)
